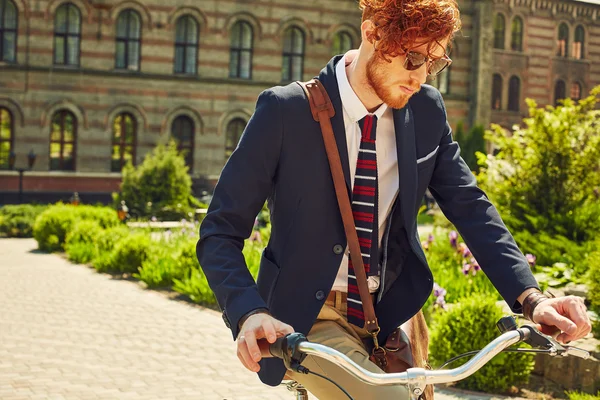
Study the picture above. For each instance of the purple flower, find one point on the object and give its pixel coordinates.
(430, 238)
(531, 259)
(466, 268)
(425, 245)
(440, 302)
(453, 238)
(153, 219)
(183, 221)
(439, 293)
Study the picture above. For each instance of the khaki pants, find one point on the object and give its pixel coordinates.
(333, 330)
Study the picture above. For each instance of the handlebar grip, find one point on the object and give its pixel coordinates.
(269, 350)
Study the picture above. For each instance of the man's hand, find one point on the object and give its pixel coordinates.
(258, 326)
(568, 314)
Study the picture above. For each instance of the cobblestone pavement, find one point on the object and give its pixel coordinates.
(67, 332)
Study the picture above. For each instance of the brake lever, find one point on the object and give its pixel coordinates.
(538, 340)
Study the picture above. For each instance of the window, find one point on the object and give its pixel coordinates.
(516, 34)
(563, 40)
(128, 40)
(63, 136)
(235, 128)
(499, 28)
(497, 92)
(559, 91)
(67, 35)
(6, 137)
(342, 42)
(578, 43)
(186, 45)
(576, 91)
(182, 131)
(240, 53)
(293, 54)
(124, 138)
(514, 93)
(8, 31)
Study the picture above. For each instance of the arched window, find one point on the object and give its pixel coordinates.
(576, 91)
(8, 31)
(563, 40)
(67, 35)
(124, 139)
(499, 28)
(560, 91)
(63, 140)
(342, 42)
(129, 32)
(186, 45)
(235, 128)
(514, 93)
(516, 34)
(293, 54)
(6, 137)
(497, 92)
(240, 52)
(182, 131)
(578, 44)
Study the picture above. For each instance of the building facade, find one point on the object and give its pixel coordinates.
(86, 85)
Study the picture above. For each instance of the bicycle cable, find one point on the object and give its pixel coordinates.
(305, 370)
(469, 353)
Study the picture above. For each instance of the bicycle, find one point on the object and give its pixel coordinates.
(294, 348)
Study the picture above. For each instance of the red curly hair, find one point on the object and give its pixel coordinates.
(400, 23)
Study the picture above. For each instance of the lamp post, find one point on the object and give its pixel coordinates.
(12, 158)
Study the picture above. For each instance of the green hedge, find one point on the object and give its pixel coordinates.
(593, 280)
(471, 325)
(52, 226)
(18, 220)
(79, 242)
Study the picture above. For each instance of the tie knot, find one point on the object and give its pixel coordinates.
(368, 127)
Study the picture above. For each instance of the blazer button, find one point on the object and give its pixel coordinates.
(338, 249)
(320, 295)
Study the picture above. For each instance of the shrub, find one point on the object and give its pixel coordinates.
(160, 186)
(469, 326)
(171, 259)
(470, 144)
(582, 396)
(18, 220)
(545, 176)
(79, 243)
(52, 226)
(593, 281)
(195, 286)
(128, 254)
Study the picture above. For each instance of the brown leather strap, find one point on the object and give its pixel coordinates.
(322, 111)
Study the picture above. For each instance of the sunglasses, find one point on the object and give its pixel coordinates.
(435, 66)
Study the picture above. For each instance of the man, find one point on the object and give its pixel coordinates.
(379, 95)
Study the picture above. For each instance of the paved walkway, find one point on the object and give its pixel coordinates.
(67, 332)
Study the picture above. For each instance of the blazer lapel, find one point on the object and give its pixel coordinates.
(329, 80)
(407, 162)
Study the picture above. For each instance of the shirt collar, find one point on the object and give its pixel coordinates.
(350, 101)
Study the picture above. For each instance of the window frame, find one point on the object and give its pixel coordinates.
(236, 52)
(564, 89)
(62, 113)
(291, 55)
(581, 54)
(186, 45)
(189, 157)
(66, 35)
(342, 34)
(3, 30)
(516, 36)
(126, 40)
(497, 83)
(123, 143)
(514, 99)
(580, 89)
(11, 139)
(230, 147)
(499, 40)
(559, 40)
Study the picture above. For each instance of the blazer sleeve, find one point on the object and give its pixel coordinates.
(455, 189)
(245, 183)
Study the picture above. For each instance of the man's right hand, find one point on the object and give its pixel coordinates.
(258, 326)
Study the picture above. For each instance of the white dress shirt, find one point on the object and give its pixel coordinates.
(387, 158)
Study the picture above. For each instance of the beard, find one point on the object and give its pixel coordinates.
(376, 77)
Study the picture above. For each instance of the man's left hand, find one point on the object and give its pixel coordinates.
(567, 314)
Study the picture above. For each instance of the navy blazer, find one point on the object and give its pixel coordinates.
(281, 158)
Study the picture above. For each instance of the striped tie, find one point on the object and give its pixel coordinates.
(364, 209)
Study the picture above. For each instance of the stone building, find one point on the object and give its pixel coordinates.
(86, 85)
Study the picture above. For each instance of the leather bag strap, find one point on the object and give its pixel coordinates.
(322, 111)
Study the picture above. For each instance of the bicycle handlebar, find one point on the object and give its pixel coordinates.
(293, 348)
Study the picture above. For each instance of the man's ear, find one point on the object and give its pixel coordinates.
(367, 30)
